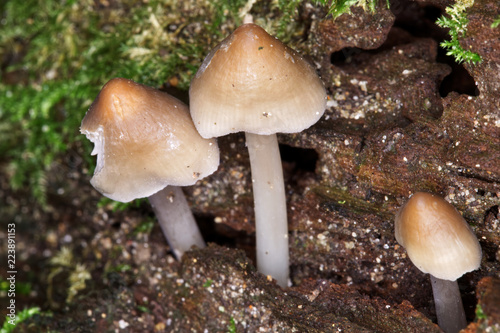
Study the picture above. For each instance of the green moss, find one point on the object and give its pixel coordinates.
(120, 268)
(480, 313)
(119, 206)
(144, 227)
(20, 317)
(22, 288)
(208, 283)
(232, 326)
(456, 22)
(77, 279)
(59, 54)
(78, 274)
(339, 7)
(143, 309)
(495, 23)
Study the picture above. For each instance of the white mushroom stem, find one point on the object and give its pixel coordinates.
(176, 220)
(271, 224)
(449, 309)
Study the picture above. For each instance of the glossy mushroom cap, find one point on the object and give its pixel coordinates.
(437, 238)
(144, 140)
(251, 82)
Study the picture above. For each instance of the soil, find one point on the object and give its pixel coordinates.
(402, 117)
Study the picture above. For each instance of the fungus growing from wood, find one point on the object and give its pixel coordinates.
(439, 242)
(147, 146)
(253, 83)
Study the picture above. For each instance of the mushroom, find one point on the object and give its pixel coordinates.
(252, 82)
(147, 146)
(439, 242)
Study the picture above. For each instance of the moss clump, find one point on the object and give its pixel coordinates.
(496, 23)
(339, 7)
(56, 55)
(9, 326)
(456, 22)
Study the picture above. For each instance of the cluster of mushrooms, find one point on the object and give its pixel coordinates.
(149, 144)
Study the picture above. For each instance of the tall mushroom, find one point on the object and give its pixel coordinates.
(147, 146)
(439, 242)
(251, 82)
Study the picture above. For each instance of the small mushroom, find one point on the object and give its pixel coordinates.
(147, 146)
(439, 242)
(251, 82)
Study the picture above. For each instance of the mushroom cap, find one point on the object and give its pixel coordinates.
(437, 238)
(144, 140)
(251, 82)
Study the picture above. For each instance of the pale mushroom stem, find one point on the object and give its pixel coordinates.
(176, 220)
(271, 224)
(449, 309)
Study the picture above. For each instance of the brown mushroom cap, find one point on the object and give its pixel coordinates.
(251, 82)
(144, 140)
(437, 238)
